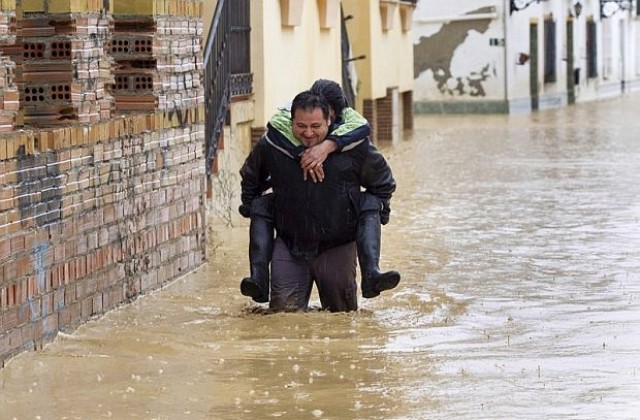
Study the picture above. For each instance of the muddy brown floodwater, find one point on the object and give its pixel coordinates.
(518, 240)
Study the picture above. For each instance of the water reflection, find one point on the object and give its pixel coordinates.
(517, 238)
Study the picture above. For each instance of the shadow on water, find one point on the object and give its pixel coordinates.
(517, 241)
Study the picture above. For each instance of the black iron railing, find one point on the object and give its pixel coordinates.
(227, 61)
(217, 72)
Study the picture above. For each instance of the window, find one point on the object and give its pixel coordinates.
(592, 50)
(240, 48)
(550, 74)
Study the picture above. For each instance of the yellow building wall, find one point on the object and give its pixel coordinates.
(389, 53)
(288, 59)
(208, 7)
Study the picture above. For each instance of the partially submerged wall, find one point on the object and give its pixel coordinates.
(94, 212)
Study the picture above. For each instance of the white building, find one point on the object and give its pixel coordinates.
(506, 56)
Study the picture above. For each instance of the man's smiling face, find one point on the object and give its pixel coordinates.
(309, 126)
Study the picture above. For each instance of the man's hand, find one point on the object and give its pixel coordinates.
(385, 212)
(245, 210)
(312, 159)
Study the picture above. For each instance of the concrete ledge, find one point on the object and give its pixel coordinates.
(552, 101)
(633, 85)
(520, 106)
(461, 107)
(609, 89)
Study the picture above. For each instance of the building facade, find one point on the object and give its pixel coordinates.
(295, 42)
(510, 56)
(364, 45)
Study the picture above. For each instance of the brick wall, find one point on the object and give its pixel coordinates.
(407, 110)
(9, 96)
(256, 133)
(92, 215)
(380, 114)
(384, 118)
(370, 113)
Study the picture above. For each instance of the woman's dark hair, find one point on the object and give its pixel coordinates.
(309, 101)
(332, 92)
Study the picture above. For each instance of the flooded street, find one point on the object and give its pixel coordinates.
(518, 242)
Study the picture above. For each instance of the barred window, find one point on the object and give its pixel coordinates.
(240, 37)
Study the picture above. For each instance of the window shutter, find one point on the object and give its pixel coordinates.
(550, 48)
(592, 50)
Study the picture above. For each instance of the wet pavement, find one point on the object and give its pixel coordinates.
(518, 241)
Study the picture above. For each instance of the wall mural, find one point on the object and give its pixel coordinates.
(436, 52)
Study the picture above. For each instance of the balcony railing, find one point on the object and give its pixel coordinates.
(241, 84)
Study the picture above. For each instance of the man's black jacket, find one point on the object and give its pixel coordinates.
(312, 217)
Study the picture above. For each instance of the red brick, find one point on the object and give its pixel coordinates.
(5, 249)
(10, 318)
(27, 335)
(15, 338)
(58, 299)
(54, 277)
(80, 267)
(35, 307)
(24, 313)
(113, 297)
(47, 304)
(24, 267)
(5, 346)
(70, 295)
(69, 272)
(97, 303)
(10, 270)
(32, 288)
(70, 315)
(59, 253)
(86, 307)
(89, 285)
(46, 326)
(149, 281)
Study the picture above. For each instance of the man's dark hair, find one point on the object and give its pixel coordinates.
(309, 101)
(332, 92)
